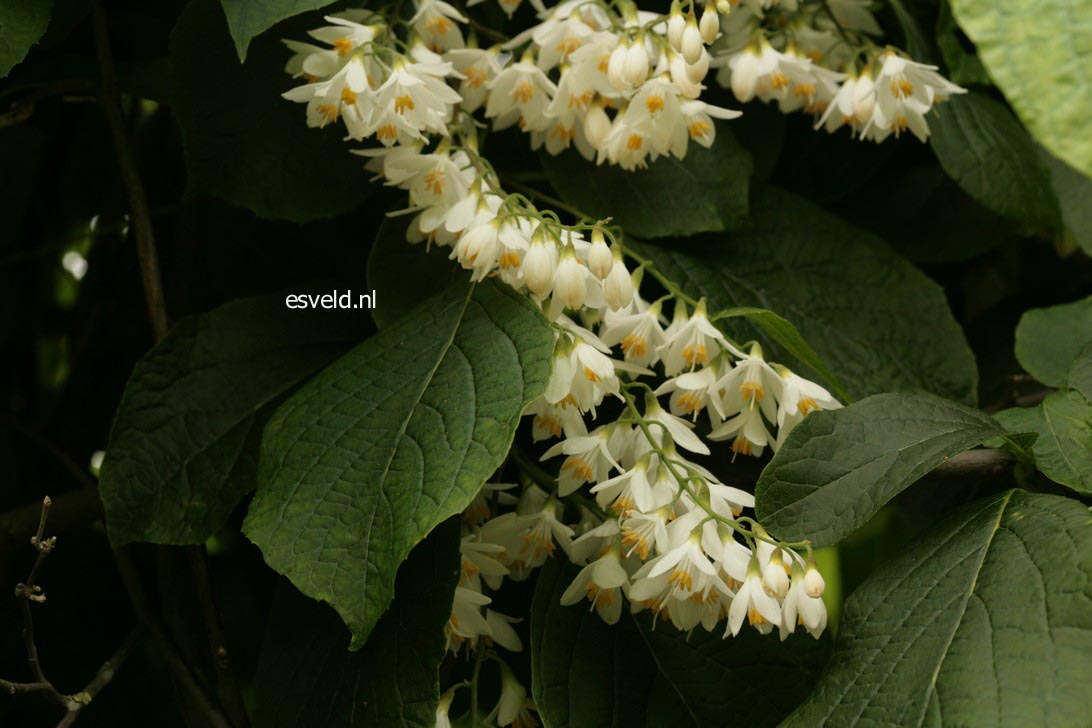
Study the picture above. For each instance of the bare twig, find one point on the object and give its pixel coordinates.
(102, 678)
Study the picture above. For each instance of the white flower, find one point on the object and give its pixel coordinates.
(643, 531)
(418, 93)
(710, 23)
(466, 623)
(435, 22)
(814, 585)
(699, 116)
(501, 632)
(631, 490)
(618, 286)
(589, 459)
(540, 263)
(550, 420)
(776, 575)
(639, 334)
(520, 92)
(800, 608)
(753, 603)
(691, 392)
(512, 698)
(905, 92)
(691, 44)
(477, 67)
(692, 341)
(603, 583)
(680, 430)
(478, 563)
(798, 397)
(748, 383)
(748, 431)
(345, 35)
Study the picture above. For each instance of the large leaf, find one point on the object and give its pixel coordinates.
(982, 146)
(586, 673)
(307, 677)
(248, 18)
(22, 24)
(1037, 52)
(1048, 339)
(360, 464)
(1073, 191)
(1080, 373)
(184, 445)
(984, 620)
(243, 142)
(964, 67)
(704, 192)
(877, 322)
(391, 258)
(839, 467)
(1063, 450)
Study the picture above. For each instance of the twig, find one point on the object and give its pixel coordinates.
(71, 510)
(130, 177)
(102, 678)
(24, 108)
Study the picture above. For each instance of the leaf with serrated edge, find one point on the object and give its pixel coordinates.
(877, 322)
(184, 445)
(22, 24)
(396, 436)
(586, 673)
(1063, 448)
(1049, 339)
(982, 146)
(307, 677)
(986, 619)
(248, 18)
(837, 468)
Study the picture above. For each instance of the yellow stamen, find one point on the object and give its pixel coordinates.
(434, 182)
(682, 579)
(699, 128)
(634, 142)
(654, 104)
(343, 46)
(752, 390)
(348, 96)
(694, 355)
(742, 446)
(567, 45)
(386, 132)
(634, 345)
(579, 469)
(403, 103)
(901, 88)
(523, 92)
(509, 259)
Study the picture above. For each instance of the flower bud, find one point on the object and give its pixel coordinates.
(676, 24)
(539, 264)
(695, 72)
(600, 259)
(774, 576)
(635, 70)
(745, 74)
(616, 66)
(691, 46)
(814, 585)
(710, 23)
(569, 285)
(618, 287)
(680, 76)
(864, 100)
(596, 125)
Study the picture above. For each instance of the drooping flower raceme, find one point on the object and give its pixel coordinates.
(652, 529)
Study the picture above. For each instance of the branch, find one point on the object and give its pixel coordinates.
(102, 678)
(130, 177)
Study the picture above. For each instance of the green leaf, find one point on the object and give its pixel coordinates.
(1063, 450)
(307, 677)
(1048, 339)
(877, 322)
(249, 18)
(22, 24)
(837, 468)
(391, 258)
(983, 620)
(705, 192)
(983, 147)
(1036, 51)
(784, 333)
(918, 43)
(243, 142)
(964, 67)
(399, 434)
(586, 673)
(184, 445)
(1073, 191)
(1080, 373)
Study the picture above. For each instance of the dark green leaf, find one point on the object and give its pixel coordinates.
(838, 467)
(22, 24)
(705, 192)
(306, 675)
(964, 68)
(1036, 53)
(1048, 339)
(1073, 191)
(919, 44)
(586, 673)
(985, 149)
(391, 262)
(784, 333)
(184, 444)
(362, 462)
(984, 620)
(1063, 450)
(877, 322)
(243, 142)
(248, 18)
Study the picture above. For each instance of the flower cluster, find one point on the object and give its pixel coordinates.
(633, 396)
(818, 58)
